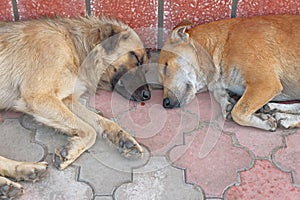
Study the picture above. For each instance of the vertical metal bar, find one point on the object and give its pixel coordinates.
(234, 8)
(88, 7)
(15, 10)
(160, 19)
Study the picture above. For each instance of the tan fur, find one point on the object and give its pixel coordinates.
(256, 58)
(47, 64)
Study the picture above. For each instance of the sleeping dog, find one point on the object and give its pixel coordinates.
(257, 59)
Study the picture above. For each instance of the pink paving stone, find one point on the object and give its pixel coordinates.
(157, 128)
(13, 115)
(140, 15)
(215, 171)
(6, 10)
(260, 142)
(111, 104)
(198, 12)
(289, 158)
(205, 106)
(265, 7)
(264, 181)
(39, 8)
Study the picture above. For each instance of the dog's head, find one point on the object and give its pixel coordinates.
(120, 57)
(184, 68)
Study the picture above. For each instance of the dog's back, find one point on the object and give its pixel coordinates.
(256, 46)
(34, 50)
(257, 58)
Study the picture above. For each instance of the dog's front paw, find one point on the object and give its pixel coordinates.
(287, 120)
(269, 121)
(67, 154)
(30, 171)
(126, 144)
(9, 189)
(267, 109)
(228, 109)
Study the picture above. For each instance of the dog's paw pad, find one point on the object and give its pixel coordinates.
(31, 171)
(270, 120)
(266, 109)
(60, 156)
(128, 146)
(10, 190)
(228, 109)
(283, 120)
(229, 117)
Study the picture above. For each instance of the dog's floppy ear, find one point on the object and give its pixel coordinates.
(179, 30)
(110, 36)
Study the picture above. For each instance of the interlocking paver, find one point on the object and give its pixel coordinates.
(51, 138)
(58, 185)
(215, 170)
(224, 166)
(105, 169)
(45, 135)
(158, 180)
(288, 158)
(17, 142)
(260, 142)
(28, 122)
(264, 181)
(157, 128)
(202, 106)
(111, 104)
(103, 198)
(13, 115)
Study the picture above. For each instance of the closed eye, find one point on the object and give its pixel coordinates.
(139, 61)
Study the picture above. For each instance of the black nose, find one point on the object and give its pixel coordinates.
(146, 95)
(167, 103)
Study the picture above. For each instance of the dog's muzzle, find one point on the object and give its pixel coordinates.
(146, 95)
(141, 94)
(171, 103)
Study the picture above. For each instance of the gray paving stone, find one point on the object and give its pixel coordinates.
(51, 138)
(28, 122)
(105, 169)
(16, 142)
(158, 181)
(58, 185)
(45, 135)
(103, 198)
(102, 178)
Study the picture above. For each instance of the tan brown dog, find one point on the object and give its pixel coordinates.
(46, 65)
(256, 58)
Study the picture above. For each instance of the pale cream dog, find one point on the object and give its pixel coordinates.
(47, 64)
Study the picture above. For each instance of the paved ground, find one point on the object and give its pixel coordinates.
(187, 156)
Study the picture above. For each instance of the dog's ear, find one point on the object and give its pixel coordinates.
(179, 30)
(110, 36)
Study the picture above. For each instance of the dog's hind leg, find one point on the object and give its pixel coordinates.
(287, 115)
(283, 108)
(254, 97)
(22, 171)
(109, 130)
(287, 120)
(9, 189)
(19, 171)
(53, 112)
